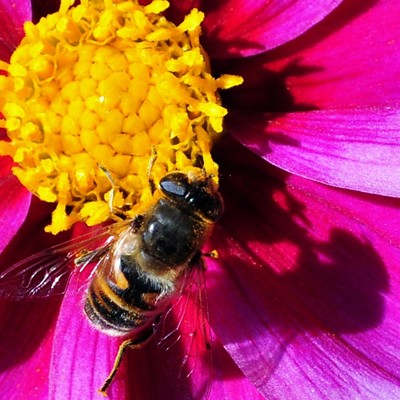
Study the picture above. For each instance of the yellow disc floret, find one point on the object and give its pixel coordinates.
(101, 99)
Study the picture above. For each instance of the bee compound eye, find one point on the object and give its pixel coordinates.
(175, 184)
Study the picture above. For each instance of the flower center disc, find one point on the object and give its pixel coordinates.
(102, 97)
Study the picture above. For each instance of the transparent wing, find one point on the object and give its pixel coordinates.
(47, 273)
(184, 339)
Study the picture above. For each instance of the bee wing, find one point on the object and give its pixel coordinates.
(184, 338)
(47, 272)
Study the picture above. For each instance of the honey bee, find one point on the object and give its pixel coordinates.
(141, 265)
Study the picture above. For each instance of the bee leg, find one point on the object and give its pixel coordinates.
(86, 256)
(211, 254)
(137, 343)
(198, 258)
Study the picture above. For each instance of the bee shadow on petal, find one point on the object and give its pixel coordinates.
(292, 264)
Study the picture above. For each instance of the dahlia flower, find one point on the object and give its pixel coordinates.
(303, 297)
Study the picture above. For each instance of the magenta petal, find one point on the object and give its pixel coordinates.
(355, 149)
(240, 27)
(304, 295)
(345, 61)
(229, 381)
(149, 379)
(348, 60)
(82, 357)
(25, 350)
(14, 203)
(152, 378)
(13, 14)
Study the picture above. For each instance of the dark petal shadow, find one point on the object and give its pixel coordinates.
(263, 89)
(24, 325)
(335, 285)
(40, 8)
(347, 285)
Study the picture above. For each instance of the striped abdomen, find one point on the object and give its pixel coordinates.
(119, 303)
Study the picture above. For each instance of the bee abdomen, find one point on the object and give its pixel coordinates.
(111, 314)
(118, 311)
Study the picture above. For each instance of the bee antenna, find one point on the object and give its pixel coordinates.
(152, 161)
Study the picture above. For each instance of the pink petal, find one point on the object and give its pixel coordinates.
(14, 203)
(82, 357)
(151, 379)
(348, 60)
(26, 339)
(229, 381)
(12, 16)
(304, 293)
(148, 376)
(27, 326)
(356, 149)
(240, 27)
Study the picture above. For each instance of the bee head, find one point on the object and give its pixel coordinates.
(198, 195)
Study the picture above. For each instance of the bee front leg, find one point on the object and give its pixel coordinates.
(137, 343)
(152, 161)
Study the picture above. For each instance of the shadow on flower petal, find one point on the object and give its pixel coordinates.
(290, 264)
(342, 288)
(233, 48)
(265, 89)
(157, 378)
(24, 325)
(150, 380)
(349, 279)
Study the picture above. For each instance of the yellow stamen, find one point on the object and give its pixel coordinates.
(102, 87)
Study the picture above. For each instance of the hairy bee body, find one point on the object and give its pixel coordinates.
(145, 267)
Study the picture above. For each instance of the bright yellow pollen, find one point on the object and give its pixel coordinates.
(100, 99)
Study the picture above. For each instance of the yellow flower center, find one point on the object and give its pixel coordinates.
(103, 98)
